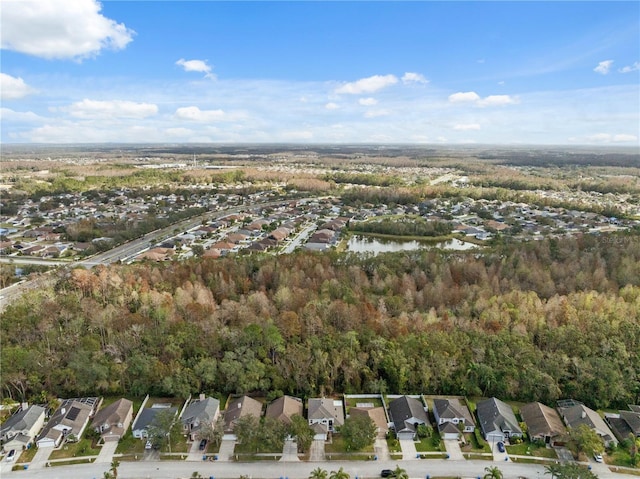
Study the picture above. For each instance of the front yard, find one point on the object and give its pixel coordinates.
(77, 449)
(531, 449)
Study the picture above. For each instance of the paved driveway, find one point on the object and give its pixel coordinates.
(453, 449)
(107, 451)
(40, 459)
(226, 449)
(316, 454)
(290, 451)
(408, 449)
(381, 449)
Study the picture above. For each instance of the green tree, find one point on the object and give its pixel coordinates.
(318, 473)
(493, 473)
(115, 464)
(586, 440)
(571, 470)
(399, 473)
(213, 432)
(160, 429)
(339, 474)
(358, 432)
(553, 470)
(301, 431)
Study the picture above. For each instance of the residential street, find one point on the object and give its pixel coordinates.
(292, 470)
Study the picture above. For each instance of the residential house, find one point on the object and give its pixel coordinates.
(497, 420)
(112, 421)
(452, 412)
(407, 413)
(543, 423)
(578, 414)
(21, 428)
(325, 415)
(71, 418)
(240, 407)
(284, 408)
(376, 414)
(624, 423)
(146, 417)
(198, 414)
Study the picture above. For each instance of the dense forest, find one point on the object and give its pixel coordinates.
(529, 321)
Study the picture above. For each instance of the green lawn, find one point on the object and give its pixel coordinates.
(393, 444)
(77, 449)
(475, 443)
(619, 457)
(338, 446)
(130, 445)
(426, 445)
(530, 449)
(353, 402)
(27, 454)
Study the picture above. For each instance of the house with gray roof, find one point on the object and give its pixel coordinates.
(21, 428)
(451, 411)
(325, 415)
(407, 413)
(579, 414)
(497, 420)
(145, 418)
(624, 423)
(198, 414)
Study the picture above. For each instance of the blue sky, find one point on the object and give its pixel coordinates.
(80, 71)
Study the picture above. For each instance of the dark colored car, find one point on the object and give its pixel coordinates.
(203, 444)
(386, 473)
(501, 446)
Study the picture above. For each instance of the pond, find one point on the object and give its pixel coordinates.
(367, 244)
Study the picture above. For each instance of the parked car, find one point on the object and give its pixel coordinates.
(501, 446)
(11, 456)
(148, 445)
(386, 473)
(598, 457)
(203, 444)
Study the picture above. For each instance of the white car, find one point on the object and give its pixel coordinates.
(598, 457)
(11, 456)
(148, 445)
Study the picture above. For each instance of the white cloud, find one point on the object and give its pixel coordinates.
(196, 66)
(331, 106)
(91, 109)
(630, 68)
(409, 77)
(624, 138)
(368, 85)
(603, 67)
(466, 127)
(193, 113)
(498, 100)
(376, 113)
(12, 88)
(464, 97)
(368, 101)
(491, 100)
(8, 114)
(60, 29)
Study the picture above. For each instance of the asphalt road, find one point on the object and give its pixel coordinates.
(275, 470)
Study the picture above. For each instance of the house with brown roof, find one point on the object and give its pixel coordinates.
(240, 407)
(70, 419)
(543, 423)
(284, 408)
(112, 422)
(377, 416)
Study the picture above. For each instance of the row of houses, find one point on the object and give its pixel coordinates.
(403, 416)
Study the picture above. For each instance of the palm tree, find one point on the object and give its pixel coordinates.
(339, 474)
(493, 473)
(318, 473)
(400, 473)
(553, 469)
(115, 464)
(108, 475)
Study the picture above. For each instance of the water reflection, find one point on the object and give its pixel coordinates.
(367, 244)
